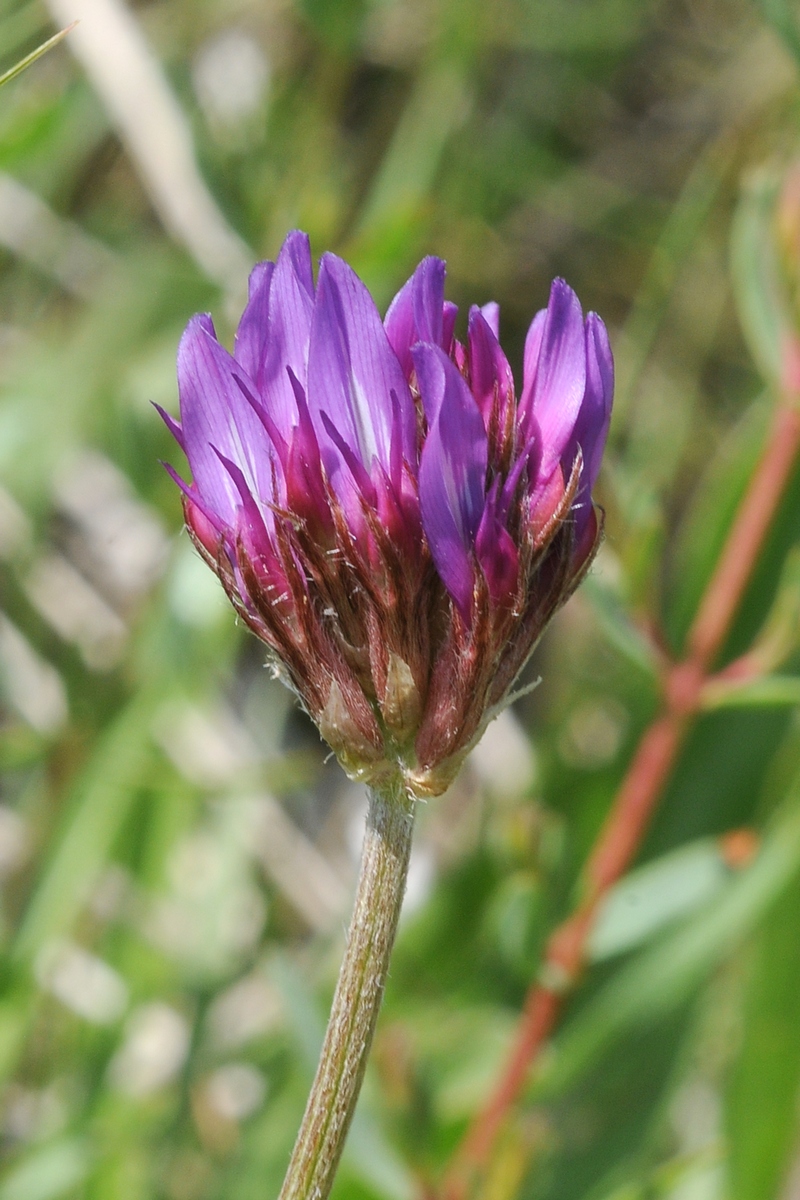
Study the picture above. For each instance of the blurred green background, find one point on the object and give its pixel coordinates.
(177, 854)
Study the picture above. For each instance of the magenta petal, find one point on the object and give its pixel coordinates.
(555, 382)
(352, 371)
(452, 473)
(215, 413)
(204, 524)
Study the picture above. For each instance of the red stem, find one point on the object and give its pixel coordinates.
(627, 821)
(621, 836)
(750, 528)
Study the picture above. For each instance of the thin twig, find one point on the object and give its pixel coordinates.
(644, 782)
(31, 58)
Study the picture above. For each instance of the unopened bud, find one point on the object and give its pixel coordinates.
(413, 562)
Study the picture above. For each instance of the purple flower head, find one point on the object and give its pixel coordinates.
(385, 514)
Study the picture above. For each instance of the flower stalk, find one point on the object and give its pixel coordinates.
(358, 996)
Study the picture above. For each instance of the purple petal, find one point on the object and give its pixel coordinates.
(250, 343)
(191, 493)
(275, 435)
(291, 306)
(297, 248)
(526, 418)
(172, 425)
(428, 297)
(399, 325)
(449, 315)
(491, 315)
(490, 374)
(249, 513)
(528, 459)
(216, 417)
(555, 372)
(251, 529)
(258, 283)
(417, 311)
(360, 475)
(305, 485)
(452, 473)
(204, 523)
(591, 427)
(496, 552)
(533, 344)
(352, 372)
(274, 330)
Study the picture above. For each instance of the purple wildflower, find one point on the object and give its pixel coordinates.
(382, 510)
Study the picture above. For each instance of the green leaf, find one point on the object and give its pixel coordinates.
(414, 153)
(102, 797)
(618, 626)
(48, 1172)
(677, 240)
(653, 896)
(31, 58)
(337, 22)
(784, 17)
(775, 691)
(660, 979)
(761, 1098)
(709, 516)
(755, 271)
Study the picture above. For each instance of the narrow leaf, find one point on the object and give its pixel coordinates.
(31, 58)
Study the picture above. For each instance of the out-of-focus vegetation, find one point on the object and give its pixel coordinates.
(176, 854)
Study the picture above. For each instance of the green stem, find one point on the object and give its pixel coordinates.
(359, 991)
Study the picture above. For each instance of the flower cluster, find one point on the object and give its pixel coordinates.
(385, 513)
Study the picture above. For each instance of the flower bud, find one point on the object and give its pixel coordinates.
(393, 522)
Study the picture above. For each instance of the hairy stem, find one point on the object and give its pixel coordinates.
(357, 1000)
